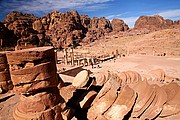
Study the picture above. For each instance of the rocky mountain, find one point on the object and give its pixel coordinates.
(119, 25)
(97, 28)
(154, 23)
(56, 28)
(22, 26)
(66, 29)
(63, 29)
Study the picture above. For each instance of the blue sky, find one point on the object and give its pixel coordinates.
(128, 10)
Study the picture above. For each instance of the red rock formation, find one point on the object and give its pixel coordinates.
(7, 37)
(15, 15)
(85, 20)
(63, 28)
(21, 25)
(101, 23)
(59, 29)
(167, 24)
(119, 25)
(176, 24)
(98, 27)
(19, 22)
(153, 23)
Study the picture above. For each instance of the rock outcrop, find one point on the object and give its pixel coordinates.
(85, 20)
(15, 15)
(98, 27)
(176, 24)
(20, 23)
(63, 29)
(22, 27)
(153, 23)
(58, 29)
(7, 37)
(119, 25)
(66, 29)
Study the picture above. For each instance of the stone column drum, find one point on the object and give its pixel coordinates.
(33, 73)
(5, 79)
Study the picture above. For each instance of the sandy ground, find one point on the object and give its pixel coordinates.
(163, 41)
(141, 64)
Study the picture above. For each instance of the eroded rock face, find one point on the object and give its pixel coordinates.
(100, 23)
(85, 20)
(22, 27)
(98, 27)
(7, 37)
(153, 23)
(119, 25)
(176, 24)
(15, 15)
(20, 22)
(63, 29)
(58, 29)
(66, 29)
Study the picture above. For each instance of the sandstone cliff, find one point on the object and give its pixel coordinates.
(66, 29)
(154, 23)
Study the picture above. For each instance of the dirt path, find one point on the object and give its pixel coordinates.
(141, 64)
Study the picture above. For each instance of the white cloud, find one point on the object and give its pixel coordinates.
(45, 6)
(168, 14)
(110, 17)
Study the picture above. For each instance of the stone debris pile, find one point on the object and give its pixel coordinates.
(128, 95)
(5, 79)
(33, 73)
(79, 94)
(123, 95)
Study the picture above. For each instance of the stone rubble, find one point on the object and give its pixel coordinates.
(135, 99)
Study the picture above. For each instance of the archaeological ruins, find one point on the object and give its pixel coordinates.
(67, 66)
(31, 88)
